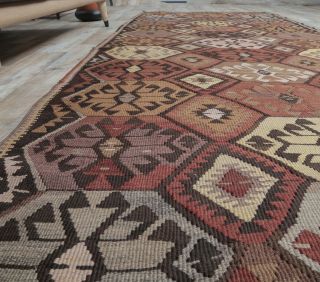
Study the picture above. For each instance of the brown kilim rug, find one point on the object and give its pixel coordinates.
(186, 148)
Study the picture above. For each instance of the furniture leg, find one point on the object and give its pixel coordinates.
(104, 12)
(88, 13)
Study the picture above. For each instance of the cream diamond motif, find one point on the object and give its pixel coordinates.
(242, 192)
(311, 53)
(212, 23)
(133, 69)
(268, 72)
(141, 52)
(235, 43)
(214, 114)
(201, 80)
(283, 48)
(192, 59)
(110, 147)
(127, 98)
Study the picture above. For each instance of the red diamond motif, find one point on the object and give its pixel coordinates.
(235, 183)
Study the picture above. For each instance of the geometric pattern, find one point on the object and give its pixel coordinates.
(187, 46)
(303, 62)
(234, 192)
(193, 60)
(202, 82)
(212, 23)
(293, 141)
(315, 81)
(135, 70)
(121, 224)
(121, 98)
(263, 262)
(215, 117)
(302, 239)
(243, 199)
(141, 52)
(233, 43)
(269, 72)
(292, 100)
(138, 151)
(311, 53)
(243, 55)
(185, 148)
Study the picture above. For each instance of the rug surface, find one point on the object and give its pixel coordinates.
(186, 148)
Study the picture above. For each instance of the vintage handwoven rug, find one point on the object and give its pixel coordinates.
(186, 148)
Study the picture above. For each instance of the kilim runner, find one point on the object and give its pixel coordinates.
(186, 148)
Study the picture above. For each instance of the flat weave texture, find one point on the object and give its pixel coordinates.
(185, 148)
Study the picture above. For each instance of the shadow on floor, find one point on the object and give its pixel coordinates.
(14, 43)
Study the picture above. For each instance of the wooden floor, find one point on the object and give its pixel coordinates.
(37, 54)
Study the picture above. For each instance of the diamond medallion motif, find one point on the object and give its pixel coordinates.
(236, 186)
(201, 80)
(119, 98)
(141, 52)
(236, 192)
(271, 72)
(217, 118)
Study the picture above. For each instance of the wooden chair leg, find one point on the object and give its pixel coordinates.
(104, 12)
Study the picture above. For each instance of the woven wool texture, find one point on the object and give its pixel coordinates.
(186, 148)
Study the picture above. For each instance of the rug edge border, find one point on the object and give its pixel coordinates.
(36, 109)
